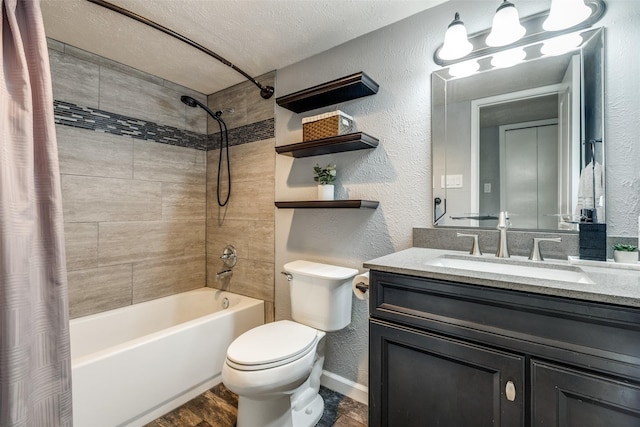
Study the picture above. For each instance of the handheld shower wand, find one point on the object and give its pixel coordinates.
(224, 143)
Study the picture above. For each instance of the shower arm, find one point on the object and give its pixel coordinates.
(265, 91)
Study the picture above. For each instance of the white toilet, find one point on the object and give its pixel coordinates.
(275, 368)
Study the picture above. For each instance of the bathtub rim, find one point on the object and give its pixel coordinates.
(81, 361)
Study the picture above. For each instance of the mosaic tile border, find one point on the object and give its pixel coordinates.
(252, 132)
(69, 114)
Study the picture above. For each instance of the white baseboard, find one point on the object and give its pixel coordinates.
(355, 391)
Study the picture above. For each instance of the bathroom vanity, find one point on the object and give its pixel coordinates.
(469, 341)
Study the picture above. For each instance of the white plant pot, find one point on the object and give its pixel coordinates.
(326, 192)
(625, 257)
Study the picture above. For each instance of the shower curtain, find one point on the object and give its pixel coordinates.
(35, 361)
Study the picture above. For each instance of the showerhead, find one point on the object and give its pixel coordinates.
(189, 101)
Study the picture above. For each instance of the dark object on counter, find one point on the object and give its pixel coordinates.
(593, 241)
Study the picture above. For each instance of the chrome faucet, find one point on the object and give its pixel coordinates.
(475, 247)
(223, 274)
(535, 250)
(503, 226)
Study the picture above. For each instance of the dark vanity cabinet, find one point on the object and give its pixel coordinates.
(452, 354)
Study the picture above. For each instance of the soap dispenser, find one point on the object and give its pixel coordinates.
(592, 237)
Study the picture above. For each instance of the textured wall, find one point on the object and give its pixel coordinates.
(248, 221)
(397, 173)
(134, 210)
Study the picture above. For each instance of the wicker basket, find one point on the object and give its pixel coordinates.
(326, 125)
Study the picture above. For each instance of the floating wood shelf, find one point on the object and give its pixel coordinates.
(334, 92)
(333, 144)
(333, 204)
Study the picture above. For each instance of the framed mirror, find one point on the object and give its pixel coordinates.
(528, 139)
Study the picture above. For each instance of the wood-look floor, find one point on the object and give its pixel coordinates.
(218, 408)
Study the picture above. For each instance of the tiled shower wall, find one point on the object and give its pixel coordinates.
(248, 221)
(134, 209)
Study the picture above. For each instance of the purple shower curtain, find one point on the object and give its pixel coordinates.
(35, 361)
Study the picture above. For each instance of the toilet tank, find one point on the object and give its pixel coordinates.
(320, 294)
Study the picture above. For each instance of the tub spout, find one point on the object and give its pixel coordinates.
(223, 274)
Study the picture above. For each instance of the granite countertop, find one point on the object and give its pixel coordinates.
(605, 283)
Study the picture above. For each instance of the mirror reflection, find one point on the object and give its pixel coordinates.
(521, 139)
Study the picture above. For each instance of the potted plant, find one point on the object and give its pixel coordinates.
(625, 253)
(325, 176)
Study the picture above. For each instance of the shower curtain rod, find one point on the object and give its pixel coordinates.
(265, 91)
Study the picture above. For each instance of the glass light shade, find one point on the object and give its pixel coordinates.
(456, 44)
(506, 28)
(566, 14)
(508, 58)
(561, 45)
(464, 69)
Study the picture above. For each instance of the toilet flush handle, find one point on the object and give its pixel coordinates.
(289, 276)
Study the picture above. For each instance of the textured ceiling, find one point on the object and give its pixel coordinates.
(256, 35)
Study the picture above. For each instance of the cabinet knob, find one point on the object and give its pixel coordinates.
(510, 391)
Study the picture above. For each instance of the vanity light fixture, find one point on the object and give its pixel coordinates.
(506, 28)
(561, 44)
(508, 58)
(456, 44)
(529, 30)
(566, 14)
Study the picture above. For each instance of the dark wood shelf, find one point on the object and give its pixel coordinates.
(333, 144)
(334, 92)
(332, 204)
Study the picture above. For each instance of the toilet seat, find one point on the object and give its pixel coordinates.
(271, 345)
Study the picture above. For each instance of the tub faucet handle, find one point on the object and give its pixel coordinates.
(229, 256)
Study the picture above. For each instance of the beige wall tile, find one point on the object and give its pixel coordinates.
(183, 201)
(74, 80)
(121, 242)
(269, 312)
(86, 199)
(130, 96)
(252, 239)
(249, 107)
(249, 200)
(99, 289)
(255, 161)
(158, 278)
(259, 109)
(232, 232)
(86, 152)
(167, 163)
(81, 244)
(262, 243)
(250, 278)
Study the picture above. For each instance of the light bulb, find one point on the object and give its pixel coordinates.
(508, 58)
(566, 14)
(456, 45)
(561, 45)
(506, 28)
(464, 69)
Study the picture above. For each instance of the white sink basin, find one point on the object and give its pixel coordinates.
(513, 268)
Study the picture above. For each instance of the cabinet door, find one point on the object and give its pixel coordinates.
(422, 379)
(566, 398)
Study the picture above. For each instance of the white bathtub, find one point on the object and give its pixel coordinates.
(135, 363)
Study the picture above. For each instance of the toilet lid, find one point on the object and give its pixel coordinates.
(282, 341)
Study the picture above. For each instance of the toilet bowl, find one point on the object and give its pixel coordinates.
(275, 368)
